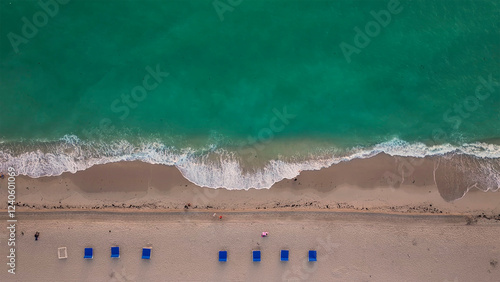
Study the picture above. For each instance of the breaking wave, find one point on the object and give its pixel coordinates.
(211, 166)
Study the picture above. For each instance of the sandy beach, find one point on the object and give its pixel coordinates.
(350, 246)
(364, 226)
(381, 183)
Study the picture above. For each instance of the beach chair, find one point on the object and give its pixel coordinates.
(115, 252)
(89, 253)
(222, 255)
(284, 255)
(62, 253)
(256, 255)
(312, 255)
(146, 253)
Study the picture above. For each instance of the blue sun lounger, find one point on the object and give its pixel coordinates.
(256, 255)
(146, 253)
(284, 255)
(115, 252)
(312, 255)
(89, 253)
(222, 255)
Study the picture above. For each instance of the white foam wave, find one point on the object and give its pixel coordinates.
(70, 154)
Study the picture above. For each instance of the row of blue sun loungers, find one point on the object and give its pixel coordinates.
(115, 253)
(146, 254)
(256, 255)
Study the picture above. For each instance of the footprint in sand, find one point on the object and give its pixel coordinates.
(120, 276)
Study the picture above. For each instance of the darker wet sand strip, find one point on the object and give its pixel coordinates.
(380, 184)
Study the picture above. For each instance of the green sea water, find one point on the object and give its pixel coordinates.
(260, 77)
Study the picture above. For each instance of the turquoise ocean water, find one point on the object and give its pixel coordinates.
(242, 94)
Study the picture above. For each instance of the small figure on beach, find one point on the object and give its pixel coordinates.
(264, 234)
(220, 217)
(1, 175)
(37, 234)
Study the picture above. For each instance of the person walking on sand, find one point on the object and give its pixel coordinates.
(36, 235)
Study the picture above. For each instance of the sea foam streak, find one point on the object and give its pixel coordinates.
(71, 155)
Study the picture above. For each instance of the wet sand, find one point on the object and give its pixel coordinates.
(381, 183)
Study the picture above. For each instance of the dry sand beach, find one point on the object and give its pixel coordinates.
(414, 226)
(351, 247)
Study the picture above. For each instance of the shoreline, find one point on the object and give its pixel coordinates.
(378, 184)
(237, 169)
